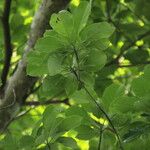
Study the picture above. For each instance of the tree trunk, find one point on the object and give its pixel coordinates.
(20, 83)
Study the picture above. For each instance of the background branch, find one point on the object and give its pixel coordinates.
(7, 41)
(127, 46)
(48, 102)
(20, 81)
(133, 65)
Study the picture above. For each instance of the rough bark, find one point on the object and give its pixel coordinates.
(20, 83)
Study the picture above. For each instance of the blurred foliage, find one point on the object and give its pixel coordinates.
(122, 88)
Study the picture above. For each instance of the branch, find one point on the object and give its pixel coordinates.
(48, 102)
(95, 101)
(108, 11)
(7, 41)
(134, 65)
(128, 46)
(100, 137)
(132, 11)
(109, 18)
(20, 81)
(131, 43)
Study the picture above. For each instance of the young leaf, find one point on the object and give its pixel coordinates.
(62, 23)
(81, 15)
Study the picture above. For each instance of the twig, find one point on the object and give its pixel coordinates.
(138, 17)
(131, 43)
(48, 102)
(100, 137)
(134, 65)
(128, 46)
(22, 114)
(108, 11)
(96, 103)
(107, 117)
(48, 145)
(7, 41)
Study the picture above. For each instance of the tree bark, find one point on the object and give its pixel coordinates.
(20, 83)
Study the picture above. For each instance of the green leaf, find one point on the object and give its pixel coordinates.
(81, 15)
(43, 136)
(85, 132)
(81, 97)
(97, 31)
(54, 64)
(141, 86)
(142, 11)
(132, 29)
(88, 78)
(69, 123)
(121, 119)
(123, 104)
(111, 93)
(37, 65)
(53, 86)
(143, 104)
(100, 44)
(68, 142)
(50, 43)
(62, 23)
(49, 117)
(71, 85)
(136, 129)
(27, 142)
(137, 56)
(95, 61)
(147, 72)
(10, 142)
(76, 110)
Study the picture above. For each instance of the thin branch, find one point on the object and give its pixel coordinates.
(48, 145)
(23, 114)
(48, 102)
(134, 65)
(108, 11)
(140, 37)
(128, 46)
(96, 103)
(20, 81)
(107, 117)
(7, 41)
(132, 11)
(131, 43)
(100, 137)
